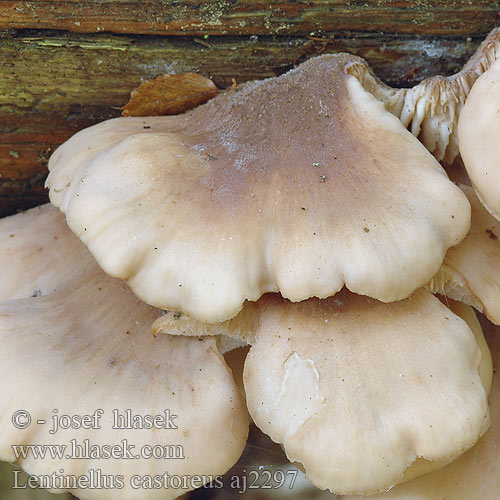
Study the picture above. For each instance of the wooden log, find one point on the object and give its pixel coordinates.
(53, 84)
(253, 17)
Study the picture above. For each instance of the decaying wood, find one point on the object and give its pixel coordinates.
(253, 17)
(54, 83)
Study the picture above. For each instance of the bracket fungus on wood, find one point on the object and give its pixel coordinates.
(474, 475)
(299, 184)
(360, 392)
(479, 135)
(458, 114)
(309, 185)
(35, 251)
(471, 270)
(88, 347)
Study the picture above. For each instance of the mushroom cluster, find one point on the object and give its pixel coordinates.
(303, 215)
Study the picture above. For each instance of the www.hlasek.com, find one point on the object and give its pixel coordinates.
(74, 449)
(86, 450)
(125, 450)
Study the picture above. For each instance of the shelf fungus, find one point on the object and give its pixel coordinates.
(471, 270)
(360, 392)
(203, 211)
(129, 411)
(299, 215)
(476, 474)
(35, 248)
(479, 132)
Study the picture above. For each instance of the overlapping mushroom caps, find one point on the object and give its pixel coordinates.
(85, 346)
(471, 270)
(299, 184)
(226, 137)
(458, 113)
(360, 392)
(432, 108)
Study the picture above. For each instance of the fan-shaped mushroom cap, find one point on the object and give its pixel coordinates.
(357, 390)
(432, 108)
(476, 474)
(88, 347)
(240, 331)
(73, 157)
(298, 184)
(37, 253)
(471, 270)
(243, 328)
(479, 132)
(360, 392)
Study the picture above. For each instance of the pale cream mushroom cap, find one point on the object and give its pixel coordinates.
(479, 133)
(76, 153)
(422, 466)
(298, 184)
(471, 270)
(38, 253)
(88, 346)
(476, 474)
(357, 391)
(243, 328)
(469, 316)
